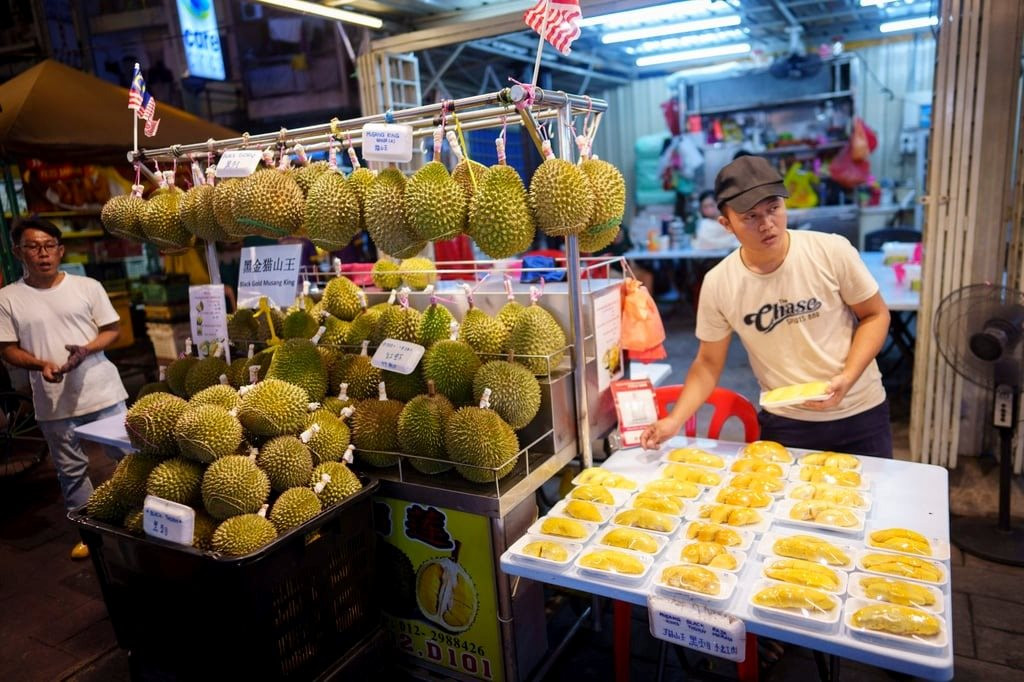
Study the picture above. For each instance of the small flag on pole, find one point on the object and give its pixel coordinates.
(137, 90)
(143, 103)
(556, 21)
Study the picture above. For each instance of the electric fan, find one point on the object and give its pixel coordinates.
(979, 330)
(797, 64)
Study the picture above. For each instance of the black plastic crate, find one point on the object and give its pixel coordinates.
(289, 611)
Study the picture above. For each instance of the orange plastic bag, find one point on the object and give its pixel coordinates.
(863, 140)
(642, 329)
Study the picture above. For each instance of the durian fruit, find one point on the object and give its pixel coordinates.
(205, 433)
(435, 324)
(801, 572)
(134, 521)
(224, 193)
(105, 504)
(342, 299)
(612, 560)
(674, 487)
(609, 479)
(307, 175)
(713, 532)
(903, 566)
(375, 428)
(562, 199)
(336, 332)
(592, 493)
(385, 275)
(298, 362)
(709, 554)
(160, 386)
(768, 450)
(401, 323)
(394, 580)
(299, 323)
(197, 214)
(130, 477)
(243, 327)
(326, 443)
(404, 387)
(365, 323)
(421, 426)
(584, 511)
(562, 527)
(500, 221)
(729, 515)
(546, 549)
(269, 203)
(811, 548)
(202, 531)
(359, 181)
(417, 273)
(287, 462)
(150, 424)
(609, 193)
(222, 395)
(362, 377)
(631, 538)
(335, 404)
(646, 519)
(483, 333)
(538, 335)
(333, 482)
(764, 484)
(896, 619)
(204, 374)
(900, 539)
(756, 466)
(666, 504)
(509, 314)
(742, 497)
(261, 361)
(434, 203)
(234, 485)
(273, 408)
(332, 212)
(896, 591)
(451, 365)
(446, 594)
(386, 221)
(795, 597)
(696, 456)
(693, 578)
(160, 220)
(176, 479)
(591, 243)
(273, 319)
(461, 175)
(476, 437)
(243, 534)
(177, 374)
(121, 214)
(293, 508)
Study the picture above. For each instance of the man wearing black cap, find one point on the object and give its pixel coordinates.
(806, 309)
(56, 325)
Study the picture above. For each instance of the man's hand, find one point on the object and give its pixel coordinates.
(75, 356)
(838, 386)
(52, 373)
(658, 432)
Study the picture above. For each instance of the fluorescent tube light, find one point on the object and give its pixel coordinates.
(713, 69)
(908, 24)
(671, 29)
(326, 12)
(690, 41)
(693, 55)
(675, 10)
(875, 3)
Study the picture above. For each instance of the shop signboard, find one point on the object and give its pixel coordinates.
(271, 271)
(201, 39)
(436, 580)
(209, 318)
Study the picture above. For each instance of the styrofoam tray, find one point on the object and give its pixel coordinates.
(842, 576)
(661, 540)
(620, 495)
(765, 546)
(711, 497)
(605, 510)
(646, 559)
(940, 548)
(517, 550)
(774, 493)
(727, 581)
(589, 526)
(765, 398)
(580, 480)
(800, 460)
(855, 590)
(784, 468)
(660, 472)
(675, 553)
(865, 479)
(807, 617)
(938, 642)
(673, 521)
(785, 506)
(693, 514)
(793, 485)
(725, 460)
(685, 504)
(746, 536)
(859, 562)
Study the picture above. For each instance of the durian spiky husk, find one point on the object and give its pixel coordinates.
(590, 243)
(562, 199)
(269, 203)
(197, 214)
(461, 175)
(332, 211)
(306, 176)
(434, 203)
(609, 191)
(475, 437)
(161, 220)
(359, 181)
(537, 333)
(120, 215)
(500, 221)
(385, 275)
(385, 216)
(224, 193)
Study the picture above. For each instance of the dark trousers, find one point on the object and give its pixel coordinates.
(867, 433)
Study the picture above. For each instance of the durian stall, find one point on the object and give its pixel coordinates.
(511, 386)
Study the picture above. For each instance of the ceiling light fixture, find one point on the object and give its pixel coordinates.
(325, 12)
(711, 70)
(671, 29)
(908, 24)
(693, 55)
(672, 11)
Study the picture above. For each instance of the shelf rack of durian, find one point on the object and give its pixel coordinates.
(528, 107)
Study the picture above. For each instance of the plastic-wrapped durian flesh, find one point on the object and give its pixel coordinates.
(693, 578)
(801, 572)
(614, 561)
(795, 597)
(696, 456)
(903, 566)
(897, 620)
(896, 591)
(713, 532)
(812, 549)
(901, 540)
(709, 554)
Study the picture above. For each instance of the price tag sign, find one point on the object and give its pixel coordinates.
(238, 163)
(397, 356)
(169, 520)
(697, 627)
(387, 142)
(634, 405)
(271, 271)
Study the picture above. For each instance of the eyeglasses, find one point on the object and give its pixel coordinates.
(48, 247)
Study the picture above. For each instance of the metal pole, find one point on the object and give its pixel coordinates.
(572, 252)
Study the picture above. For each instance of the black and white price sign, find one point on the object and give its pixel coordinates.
(695, 626)
(169, 520)
(238, 163)
(397, 356)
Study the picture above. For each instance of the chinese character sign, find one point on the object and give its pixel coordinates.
(271, 271)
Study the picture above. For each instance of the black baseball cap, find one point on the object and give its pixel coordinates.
(747, 181)
(34, 222)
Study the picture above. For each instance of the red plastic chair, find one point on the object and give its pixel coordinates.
(727, 404)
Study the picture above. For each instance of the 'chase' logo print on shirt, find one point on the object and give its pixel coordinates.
(771, 315)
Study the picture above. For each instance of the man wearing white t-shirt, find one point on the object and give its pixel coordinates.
(806, 309)
(56, 325)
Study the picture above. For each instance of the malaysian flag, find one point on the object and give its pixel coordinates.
(556, 20)
(137, 91)
(147, 113)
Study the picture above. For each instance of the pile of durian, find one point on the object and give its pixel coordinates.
(317, 201)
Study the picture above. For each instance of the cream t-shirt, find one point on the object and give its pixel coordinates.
(42, 321)
(795, 322)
